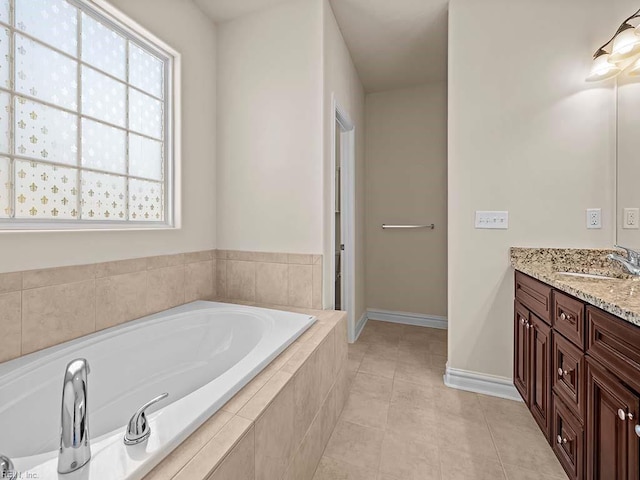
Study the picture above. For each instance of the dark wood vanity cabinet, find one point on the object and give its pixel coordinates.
(532, 353)
(578, 370)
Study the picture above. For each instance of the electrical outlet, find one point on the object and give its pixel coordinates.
(594, 218)
(631, 219)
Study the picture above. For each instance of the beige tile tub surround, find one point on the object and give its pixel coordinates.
(275, 278)
(42, 308)
(277, 426)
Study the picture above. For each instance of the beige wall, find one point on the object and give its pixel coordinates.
(406, 183)
(183, 26)
(269, 156)
(341, 79)
(528, 135)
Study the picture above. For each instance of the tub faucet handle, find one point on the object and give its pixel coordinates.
(138, 429)
(6, 468)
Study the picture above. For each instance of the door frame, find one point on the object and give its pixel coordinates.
(347, 212)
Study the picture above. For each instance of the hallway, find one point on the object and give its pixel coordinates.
(400, 421)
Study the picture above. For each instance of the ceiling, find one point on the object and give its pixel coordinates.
(393, 43)
(225, 10)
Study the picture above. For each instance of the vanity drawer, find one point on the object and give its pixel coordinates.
(568, 318)
(568, 440)
(568, 374)
(534, 295)
(616, 344)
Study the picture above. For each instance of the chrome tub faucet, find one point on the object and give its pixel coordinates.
(631, 262)
(74, 433)
(6, 468)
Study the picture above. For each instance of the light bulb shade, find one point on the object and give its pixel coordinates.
(602, 68)
(634, 70)
(625, 46)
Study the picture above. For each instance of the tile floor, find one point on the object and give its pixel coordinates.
(401, 423)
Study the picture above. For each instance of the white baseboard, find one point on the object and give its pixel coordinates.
(360, 325)
(418, 319)
(480, 383)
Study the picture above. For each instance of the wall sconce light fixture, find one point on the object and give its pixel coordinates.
(619, 53)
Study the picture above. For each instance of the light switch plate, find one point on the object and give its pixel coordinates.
(492, 220)
(594, 218)
(630, 221)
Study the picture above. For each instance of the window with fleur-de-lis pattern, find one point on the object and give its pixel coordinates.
(84, 108)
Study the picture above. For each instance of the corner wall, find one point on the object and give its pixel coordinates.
(528, 135)
(183, 26)
(269, 156)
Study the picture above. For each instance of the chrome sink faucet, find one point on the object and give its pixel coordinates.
(74, 433)
(631, 262)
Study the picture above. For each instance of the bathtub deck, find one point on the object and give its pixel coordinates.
(278, 424)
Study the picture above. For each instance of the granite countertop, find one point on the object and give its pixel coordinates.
(619, 296)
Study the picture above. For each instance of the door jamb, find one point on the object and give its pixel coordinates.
(347, 154)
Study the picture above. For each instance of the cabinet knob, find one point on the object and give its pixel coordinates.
(563, 316)
(624, 415)
(561, 440)
(528, 326)
(638, 430)
(560, 372)
(522, 321)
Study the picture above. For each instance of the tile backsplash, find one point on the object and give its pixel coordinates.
(42, 308)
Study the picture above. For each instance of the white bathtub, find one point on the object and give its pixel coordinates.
(202, 354)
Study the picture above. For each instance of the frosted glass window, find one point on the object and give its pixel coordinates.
(103, 48)
(45, 74)
(103, 196)
(4, 11)
(103, 98)
(5, 139)
(4, 57)
(145, 114)
(83, 108)
(6, 190)
(55, 22)
(146, 71)
(145, 157)
(45, 191)
(103, 147)
(45, 133)
(145, 200)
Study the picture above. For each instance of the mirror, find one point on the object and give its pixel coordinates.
(628, 181)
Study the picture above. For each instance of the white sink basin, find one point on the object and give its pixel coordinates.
(587, 275)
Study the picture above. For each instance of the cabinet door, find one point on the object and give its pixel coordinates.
(567, 439)
(540, 372)
(612, 413)
(521, 351)
(567, 368)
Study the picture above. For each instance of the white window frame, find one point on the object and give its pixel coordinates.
(131, 30)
